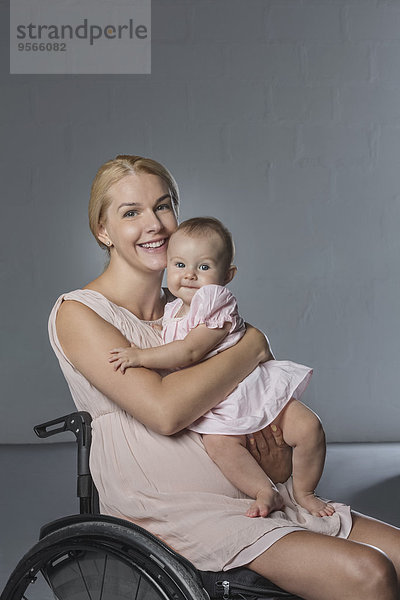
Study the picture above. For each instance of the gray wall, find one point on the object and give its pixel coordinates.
(280, 117)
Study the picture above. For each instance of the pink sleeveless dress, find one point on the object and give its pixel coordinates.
(169, 485)
(259, 398)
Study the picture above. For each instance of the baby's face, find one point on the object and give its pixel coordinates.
(194, 261)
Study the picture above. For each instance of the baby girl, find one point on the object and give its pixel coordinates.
(204, 320)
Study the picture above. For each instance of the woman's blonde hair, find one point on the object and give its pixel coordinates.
(113, 171)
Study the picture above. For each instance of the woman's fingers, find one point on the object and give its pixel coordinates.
(252, 448)
(275, 432)
(263, 439)
(272, 453)
(270, 436)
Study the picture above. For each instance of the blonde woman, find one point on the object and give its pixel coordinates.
(147, 467)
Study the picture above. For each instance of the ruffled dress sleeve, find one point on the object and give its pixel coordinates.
(170, 309)
(213, 306)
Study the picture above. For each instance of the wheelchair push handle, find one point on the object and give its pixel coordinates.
(79, 423)
(49, 428)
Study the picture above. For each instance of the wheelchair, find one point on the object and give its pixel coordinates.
(90, 556)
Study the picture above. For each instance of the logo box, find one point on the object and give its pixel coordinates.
(108, 37)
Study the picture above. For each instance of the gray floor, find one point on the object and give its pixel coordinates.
(38, 485)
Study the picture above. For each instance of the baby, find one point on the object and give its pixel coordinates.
(204, 320)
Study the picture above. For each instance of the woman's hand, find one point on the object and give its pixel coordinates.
(261, 343)
(272, 453)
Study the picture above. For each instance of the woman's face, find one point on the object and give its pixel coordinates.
(139, 221)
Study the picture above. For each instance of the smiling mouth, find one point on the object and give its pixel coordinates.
(157, 244)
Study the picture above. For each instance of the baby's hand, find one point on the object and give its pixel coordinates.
(125, 357)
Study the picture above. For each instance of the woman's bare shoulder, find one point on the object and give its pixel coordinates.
(71, 310)
(79, 327)
(84, 303)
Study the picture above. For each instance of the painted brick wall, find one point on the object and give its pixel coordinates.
(280, 117)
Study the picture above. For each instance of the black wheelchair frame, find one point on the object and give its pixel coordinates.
(90, 556)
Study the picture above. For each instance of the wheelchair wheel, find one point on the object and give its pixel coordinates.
(101, 560)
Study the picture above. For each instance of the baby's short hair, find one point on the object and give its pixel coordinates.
(204, 225)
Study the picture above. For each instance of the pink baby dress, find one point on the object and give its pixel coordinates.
(259, 398)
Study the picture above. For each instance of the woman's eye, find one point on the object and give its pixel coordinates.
(204, 267)
(163, 207)
(131, 213)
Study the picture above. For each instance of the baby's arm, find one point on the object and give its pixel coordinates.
(181, 353)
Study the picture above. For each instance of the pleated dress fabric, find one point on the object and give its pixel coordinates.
(168, 484)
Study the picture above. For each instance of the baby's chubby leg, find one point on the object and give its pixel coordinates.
(230, 454)
(303, 431)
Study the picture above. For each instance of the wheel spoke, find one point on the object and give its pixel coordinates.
(138, 586)
(83, 577)
(104, 575)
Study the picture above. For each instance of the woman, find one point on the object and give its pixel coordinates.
(146, 467)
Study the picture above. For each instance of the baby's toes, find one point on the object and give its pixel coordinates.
(325, 511)
(264, 511)
(253, 511)
(329, 510)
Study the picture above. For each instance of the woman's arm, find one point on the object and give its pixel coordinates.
(167, 404)
(174, 355)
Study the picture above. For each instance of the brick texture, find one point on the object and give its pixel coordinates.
(281, 117)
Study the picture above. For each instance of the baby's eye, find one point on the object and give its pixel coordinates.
(204, 267)
(180, 265)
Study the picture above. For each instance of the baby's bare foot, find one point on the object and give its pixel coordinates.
(314, 505)
(267, 500)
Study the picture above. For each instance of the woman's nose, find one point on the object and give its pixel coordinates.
(152, 223)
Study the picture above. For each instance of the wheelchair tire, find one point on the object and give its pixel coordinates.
(101, 560)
